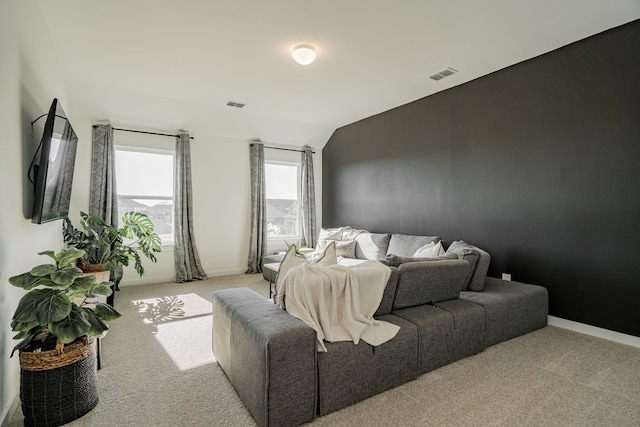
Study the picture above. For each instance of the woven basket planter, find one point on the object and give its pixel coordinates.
(89, 268)
(58, 388)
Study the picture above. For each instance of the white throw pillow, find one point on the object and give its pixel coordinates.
(292, 259)
(328, 256)
(330, 234)
(429, 250)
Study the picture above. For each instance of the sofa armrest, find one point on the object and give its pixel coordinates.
(268, 355)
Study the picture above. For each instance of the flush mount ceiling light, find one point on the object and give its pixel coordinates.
(304, 54)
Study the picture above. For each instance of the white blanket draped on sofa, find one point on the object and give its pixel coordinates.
(338, 302)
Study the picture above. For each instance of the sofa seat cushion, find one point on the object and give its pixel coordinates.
(511, 308)
(429, 281)
(349, 373)
(372, 245)
(407, 245)
(447, 331)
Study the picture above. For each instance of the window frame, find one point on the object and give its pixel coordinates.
(298, 166)
(146, 150)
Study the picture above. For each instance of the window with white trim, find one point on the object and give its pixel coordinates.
(144, 180)
(282, 187)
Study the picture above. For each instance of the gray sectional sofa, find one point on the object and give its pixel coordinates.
(446, 307)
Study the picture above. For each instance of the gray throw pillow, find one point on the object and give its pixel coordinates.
(345, 248)
(407, 245)
(372, 245)
(478, 264)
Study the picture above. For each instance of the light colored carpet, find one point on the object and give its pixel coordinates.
(158, 370)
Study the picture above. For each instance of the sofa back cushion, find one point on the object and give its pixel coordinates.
(407, 245)
(429, 282)
(395, 260)
(386, 305)
(372, 245)
(478, 264)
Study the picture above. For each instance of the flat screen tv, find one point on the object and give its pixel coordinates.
(54, 171)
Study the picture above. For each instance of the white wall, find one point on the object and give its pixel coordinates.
(30, 78)
(221, 193)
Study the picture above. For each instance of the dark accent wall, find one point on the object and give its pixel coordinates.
(538, 163)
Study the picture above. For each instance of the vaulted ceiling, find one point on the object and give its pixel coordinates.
(170, 64)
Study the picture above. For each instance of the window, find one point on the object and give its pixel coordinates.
(283, 195)
(145, 184)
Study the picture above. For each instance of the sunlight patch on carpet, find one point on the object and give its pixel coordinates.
(182, 327)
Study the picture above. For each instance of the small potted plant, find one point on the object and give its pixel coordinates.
(108, 247)
(56, 321)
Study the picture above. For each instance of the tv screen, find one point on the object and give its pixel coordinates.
(54, 172)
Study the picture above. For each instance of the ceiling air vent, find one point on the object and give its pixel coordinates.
(235, 104)
(442, 74)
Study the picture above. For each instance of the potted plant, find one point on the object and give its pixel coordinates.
(56, 321)
(108, 247)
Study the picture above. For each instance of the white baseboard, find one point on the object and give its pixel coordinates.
(165, 279)
(145, 281)
(230, 272)
(8, 412)
(595, 331)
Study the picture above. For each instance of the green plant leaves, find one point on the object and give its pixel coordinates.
(106, 312)
(72, 326)
(43, 306)
(65, 277)
(103, 288)
(54, 305)
(50, 305)
(104, 244)
(51, 254)
(67, 257)
(136, 224)
(27, 307)
(43, 270)
(98, 326)
(25, 281)
(22, 344)
(23, 326)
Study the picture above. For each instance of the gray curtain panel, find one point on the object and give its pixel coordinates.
(188, 267)
(258, 239)
(103, 197)
(308, 199)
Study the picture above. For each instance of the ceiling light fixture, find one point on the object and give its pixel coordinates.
(304, 54)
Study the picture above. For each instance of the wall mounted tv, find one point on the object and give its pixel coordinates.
(54, 171)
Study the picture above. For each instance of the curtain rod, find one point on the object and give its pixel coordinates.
(286, 149)
(145, 132)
